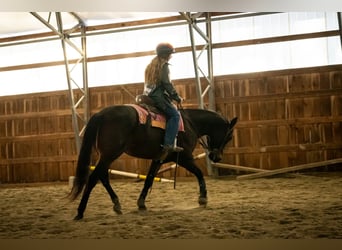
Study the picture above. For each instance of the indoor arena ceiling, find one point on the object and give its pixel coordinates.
(19, 23)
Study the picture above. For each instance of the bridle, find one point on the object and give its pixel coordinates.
(205, 143)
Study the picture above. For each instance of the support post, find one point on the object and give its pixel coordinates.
(78, 92)
(208, 76)
(339, 19)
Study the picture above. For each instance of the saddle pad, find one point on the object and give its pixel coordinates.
(157, 120)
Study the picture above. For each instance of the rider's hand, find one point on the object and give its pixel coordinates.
(179, 103)
(181, 99)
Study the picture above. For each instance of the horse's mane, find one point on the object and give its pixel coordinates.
(187, 119)
(198, 113)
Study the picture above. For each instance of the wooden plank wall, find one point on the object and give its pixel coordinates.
(286, 118)
(36, 138)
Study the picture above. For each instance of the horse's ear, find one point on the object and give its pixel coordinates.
(233, 122)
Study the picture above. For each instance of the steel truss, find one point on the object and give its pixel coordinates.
(339, 19)
(78, 92)
(206, 88)
(193, 20)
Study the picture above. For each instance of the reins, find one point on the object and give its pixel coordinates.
(229, 133)
(203, 141)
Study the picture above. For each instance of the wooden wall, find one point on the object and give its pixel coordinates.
(286, 118)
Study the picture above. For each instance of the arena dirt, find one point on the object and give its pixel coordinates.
(284, 207)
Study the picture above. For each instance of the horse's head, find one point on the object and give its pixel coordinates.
(218, 140)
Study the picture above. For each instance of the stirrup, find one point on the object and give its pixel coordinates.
(172, 148)
(177, 149)
(169, 149)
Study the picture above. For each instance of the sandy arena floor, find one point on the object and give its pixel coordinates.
(295, 207)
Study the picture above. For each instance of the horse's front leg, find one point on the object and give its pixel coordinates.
(202, 199)
(191, 166)
(154, 167)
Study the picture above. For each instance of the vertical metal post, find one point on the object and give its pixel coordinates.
(210, 63)
(68, 74)
(209, 78)
(339, 18)
(86, 105)
(196, 66)
(79, 101)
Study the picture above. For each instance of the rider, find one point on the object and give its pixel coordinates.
(159, 87)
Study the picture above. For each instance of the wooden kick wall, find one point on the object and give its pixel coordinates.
(286, 118)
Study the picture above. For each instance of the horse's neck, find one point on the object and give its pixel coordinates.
(203, 121)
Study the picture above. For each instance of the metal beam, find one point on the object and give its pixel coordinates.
(210, 78)
(208, 84)
(118, 27)
(339, 18)
(208, 88)
(78, 92)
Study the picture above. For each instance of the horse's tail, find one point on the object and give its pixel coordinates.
(83, 162)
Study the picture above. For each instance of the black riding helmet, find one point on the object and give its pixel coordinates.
(164, 49)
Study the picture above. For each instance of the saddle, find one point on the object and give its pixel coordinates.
(147, 103)
(150, 115)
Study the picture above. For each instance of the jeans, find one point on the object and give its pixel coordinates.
(172, 115)
(172, 124)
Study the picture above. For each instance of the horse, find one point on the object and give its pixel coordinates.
(116, 130)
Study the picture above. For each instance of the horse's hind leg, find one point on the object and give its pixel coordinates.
(93, 178)
(104, 177)
(100, 172)
(155, 165)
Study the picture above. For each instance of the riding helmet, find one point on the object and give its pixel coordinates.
(164, 49)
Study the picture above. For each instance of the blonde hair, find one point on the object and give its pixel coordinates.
(153, 70)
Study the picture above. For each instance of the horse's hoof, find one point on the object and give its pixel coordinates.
(78, 217)
(202, 201)
(141, 204)
(142, 208)
(117, 209)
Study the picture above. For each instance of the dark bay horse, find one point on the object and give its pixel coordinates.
(116, 130)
